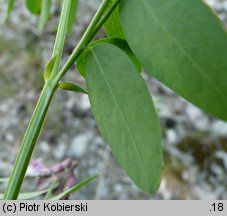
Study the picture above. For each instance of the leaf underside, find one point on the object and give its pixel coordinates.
(124, 112)
(182, 44)
(121, 43)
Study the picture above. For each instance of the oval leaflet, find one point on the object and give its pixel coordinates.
(125, 113)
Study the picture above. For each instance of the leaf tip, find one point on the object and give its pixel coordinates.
(49, 68)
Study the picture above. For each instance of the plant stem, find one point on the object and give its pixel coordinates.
(35, 125)
(87, 37)
(60, 37)
(29, 141)
(105, 17)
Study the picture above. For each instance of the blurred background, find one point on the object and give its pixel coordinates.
(195, 144)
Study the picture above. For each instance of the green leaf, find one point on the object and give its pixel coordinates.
(71, 87)
(9, 9)
(121, 43)
(73, 189)
(80, 63)
(112, 25)
(125, 114)
(183, 45)
(26, 196)
(55, 183)
(45, 11)
(72, 15)
(34, 6)
(49, 68)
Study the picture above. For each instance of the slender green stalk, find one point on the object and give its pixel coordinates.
(60, 37)
(105, 17)
(87, 37)
(29, 141)
(35, 126)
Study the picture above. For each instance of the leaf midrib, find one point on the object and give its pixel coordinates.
(124, 120)
(203, 74)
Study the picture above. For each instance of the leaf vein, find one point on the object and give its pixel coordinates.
(197, 66)
(122, 114)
